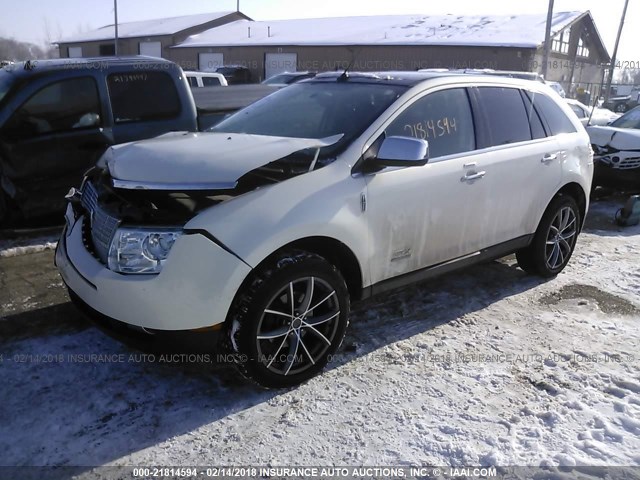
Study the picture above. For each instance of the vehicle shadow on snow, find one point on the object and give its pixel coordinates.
(403, 313)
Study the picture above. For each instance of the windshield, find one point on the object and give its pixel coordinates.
(315, 110)
(631, 119)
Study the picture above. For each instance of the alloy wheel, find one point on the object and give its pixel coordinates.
(561, 238)
(298, 326)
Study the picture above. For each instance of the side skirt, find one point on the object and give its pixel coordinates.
(491, 253)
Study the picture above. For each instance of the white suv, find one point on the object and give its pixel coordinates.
(261, 231)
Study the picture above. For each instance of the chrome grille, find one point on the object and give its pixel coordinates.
(621, 163)
(627, 163)
(103, 226)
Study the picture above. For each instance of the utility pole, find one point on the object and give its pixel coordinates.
(547, 40)
(115, 14)
(237, 5)
(615, 52)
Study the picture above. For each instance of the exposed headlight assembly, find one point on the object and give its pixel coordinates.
(141, 250)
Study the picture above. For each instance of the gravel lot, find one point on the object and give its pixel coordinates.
(483, 367)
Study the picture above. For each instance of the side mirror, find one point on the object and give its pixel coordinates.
(402, 152)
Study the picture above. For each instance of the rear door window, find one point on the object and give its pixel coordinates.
(507, 119)
(138, 96)
(66, 105)
(442, 118)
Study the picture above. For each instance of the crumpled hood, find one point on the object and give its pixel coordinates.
(618, 138)
(214, 158)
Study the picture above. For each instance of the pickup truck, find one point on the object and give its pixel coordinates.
(57, 117)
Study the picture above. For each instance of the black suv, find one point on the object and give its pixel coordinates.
(235, 74)
(57, 117)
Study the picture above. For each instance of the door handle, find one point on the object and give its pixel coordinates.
(473, 176)
(549, 157)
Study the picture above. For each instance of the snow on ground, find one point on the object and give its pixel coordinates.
(486, 367)
(23, 246)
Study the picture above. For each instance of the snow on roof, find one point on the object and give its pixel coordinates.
(488, 30)
(145, 28)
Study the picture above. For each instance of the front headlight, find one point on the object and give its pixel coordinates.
(141, 250)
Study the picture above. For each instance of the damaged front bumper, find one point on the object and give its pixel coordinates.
(194, 290)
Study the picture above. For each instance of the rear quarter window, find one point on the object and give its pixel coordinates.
(550, 111)
(141, 95)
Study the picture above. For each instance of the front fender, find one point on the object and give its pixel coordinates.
(325, 203)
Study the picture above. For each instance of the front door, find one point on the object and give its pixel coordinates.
(422, 216)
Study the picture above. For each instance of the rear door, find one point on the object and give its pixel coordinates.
(51, 139)
(522, 164)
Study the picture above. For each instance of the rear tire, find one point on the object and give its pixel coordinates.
(288, 320)
(554, 240)
(621, 108)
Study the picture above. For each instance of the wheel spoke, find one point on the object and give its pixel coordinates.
(561, 255)
(313, 362)
(319, 333)
(312, 322)
(293, 300)
(553, 258)
(308, 295)
(570, 224)
(275, 355)
(293, 351)
(278, 332)
(333, 292)
(282, 314)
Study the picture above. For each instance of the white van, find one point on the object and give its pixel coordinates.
(205, 79)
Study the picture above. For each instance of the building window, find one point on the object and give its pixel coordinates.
(582, 50)
(561, 41)
(107, 50)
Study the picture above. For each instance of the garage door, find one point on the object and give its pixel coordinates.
(75, 52)
(151, 49)
(275, 63)
(208, 62)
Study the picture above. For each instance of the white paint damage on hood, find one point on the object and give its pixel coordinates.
(201, 158)
(618, 138)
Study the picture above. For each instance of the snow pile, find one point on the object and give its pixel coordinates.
(12, 248)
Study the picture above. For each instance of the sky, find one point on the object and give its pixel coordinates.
(40, 21)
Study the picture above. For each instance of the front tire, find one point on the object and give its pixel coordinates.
(290, 317)
(554, 240)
